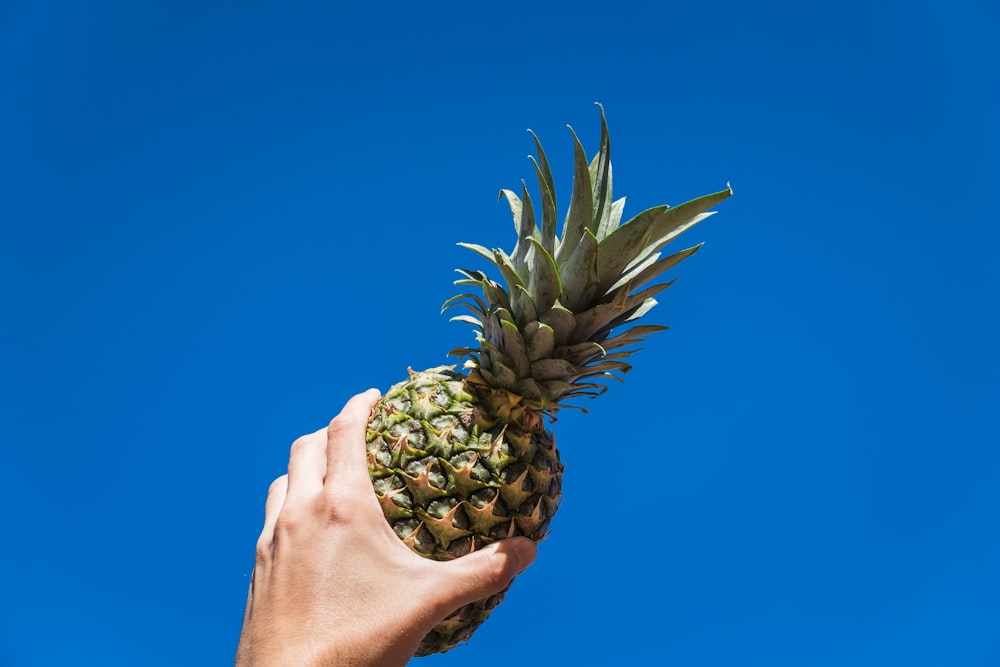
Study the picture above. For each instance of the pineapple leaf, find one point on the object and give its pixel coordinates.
(495, 355)
(464, 352)
(631, 299)
(514, 202)
(468, 319)
(651, 272)
(657, 226)
(655, 246)
(581, 208)
(496, 295)
(529, 389)
(548, 191)
(506, 266)
(553, 369)
(503, 315)
(632, 336)
(513, 345)
(631, 314)
(591, 321)
(637, 312)
(523, 306)
(600, 173)
(620, 248)
(617, 209)
(607, 366)
(459, 301)
(506, 377)
(479, 250)
(582, 354)
(579, 275)
(562, 322)
(524, 249)
(544, 284)
(473, 277)
(623, 354)
(475, 310)
(539, 341)
(559, 389)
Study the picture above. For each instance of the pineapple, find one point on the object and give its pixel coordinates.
(459, 460)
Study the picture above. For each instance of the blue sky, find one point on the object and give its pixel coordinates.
(220, 220)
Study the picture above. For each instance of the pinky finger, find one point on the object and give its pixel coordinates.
(275, 501)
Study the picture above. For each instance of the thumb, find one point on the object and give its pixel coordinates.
(487, 571)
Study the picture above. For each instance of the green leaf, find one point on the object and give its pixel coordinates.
(503, 315)
(562, 322)
(607, 367)
(544, 284)
(579, 275)
(539, 341)
(650, 229)
(467, 319)
(657, 244)
(632, 336)
(547, 188)
(581, 208)
(556, 389)
(625, 295)
(454, 301)
(552, 369)
(529, 389)
(513, 347)
(581, 354)
(619, 249)
(496, 295)
(474, 277)
(601, 178)
(506, 266)
(523, 306)
(472, 307)
(514, 202)
(480, 250)
(652, 272)
(617, 209)
(637, 312)
(523, 250)
(505, 377)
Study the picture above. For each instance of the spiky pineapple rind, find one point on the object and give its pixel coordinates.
(457, 464)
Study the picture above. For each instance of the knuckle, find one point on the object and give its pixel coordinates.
(265, 546)
(286, 523)
(341, 425)
(277, 485)
(497, 574)
(299, 444)
(338, 505)
(496, 571)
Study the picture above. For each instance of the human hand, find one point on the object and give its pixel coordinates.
(332, 584)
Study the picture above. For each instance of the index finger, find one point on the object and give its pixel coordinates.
(346, 460)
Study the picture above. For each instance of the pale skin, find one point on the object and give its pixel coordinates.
(332, 584)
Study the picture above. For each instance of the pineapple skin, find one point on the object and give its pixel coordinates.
(457, 465)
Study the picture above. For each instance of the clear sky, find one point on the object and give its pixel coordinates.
(221, 219)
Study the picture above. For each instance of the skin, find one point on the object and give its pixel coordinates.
(332, 584)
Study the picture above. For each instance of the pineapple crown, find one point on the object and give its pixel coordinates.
(565, 319)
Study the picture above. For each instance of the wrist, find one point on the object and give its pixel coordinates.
(279, 656)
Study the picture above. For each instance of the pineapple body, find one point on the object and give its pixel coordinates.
(456, 465)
